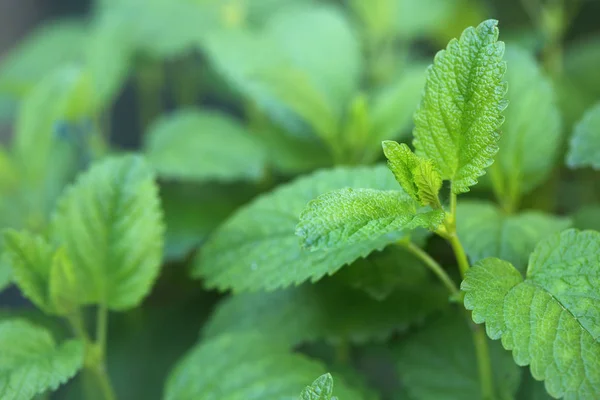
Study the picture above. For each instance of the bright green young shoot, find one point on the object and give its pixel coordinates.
(550, 320)
(457, 122)
(417, 176)
(321, 389)
(349, 216)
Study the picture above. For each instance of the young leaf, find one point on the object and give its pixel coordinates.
(321, 389)
(439, 362)
(326, 310)
(486, 231)
(201, 145)
(347, 216)
(550, 320)
(532, 122)
(254, 369)
(31, 259)
(63, 286)
(110, 224)
(458, 119)
(31, 362)
(256, 248)
(417, 176)
(584, 149)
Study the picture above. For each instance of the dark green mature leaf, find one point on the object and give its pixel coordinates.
(457, 122)
(584, 149)
(439, 362)
(193, 212)
(587, 217)
(30, 258)
(31, 362)
(532, 122)
(254, 368)
(550, 320)
(257, 248)
(48, 47)
(380, 274)
(203, 145)
(486, 231)
(341, 218)
(321, 389)
(110, 224)
(326, 310)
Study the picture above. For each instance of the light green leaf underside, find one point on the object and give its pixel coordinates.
(245, 366)
(203, 145)
(326, 310)
(341, 218)
(256, 248)
(550, 320)
(320, 389)
(439, 363)
(31, 362)
(584, 148)
(30, 258)
(110, 223)
(532, 122)
(486, 231)
(457, 121)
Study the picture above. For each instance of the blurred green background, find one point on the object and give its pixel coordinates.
(318, 82)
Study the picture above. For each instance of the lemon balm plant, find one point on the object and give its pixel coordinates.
(445, 274)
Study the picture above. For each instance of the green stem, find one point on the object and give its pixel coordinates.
(101, 329)
(479, 338)
(433, 265)
(483, 362)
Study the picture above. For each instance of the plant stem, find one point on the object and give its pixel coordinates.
(483, 362)
(101, 329)
(432, 264)
(479, 337)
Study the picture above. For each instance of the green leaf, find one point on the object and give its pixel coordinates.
(417, 176)
(48, 47)
(321, 389)
(254, 368)
(341, 218)
(63, 286)
(288, 69)
(584, 148)
(439, 362)
(384, 272)
(193, 212)
(550, 320)
(486, 231)
(326, 310)
(587, 217)
(458, 119)
(6, 274)
(110, 224)
(256, 248)
(31, 362)
(31, 260)
(532, 122)
(203, 145)
(391, 109)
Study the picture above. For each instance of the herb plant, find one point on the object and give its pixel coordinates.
(256, 209)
